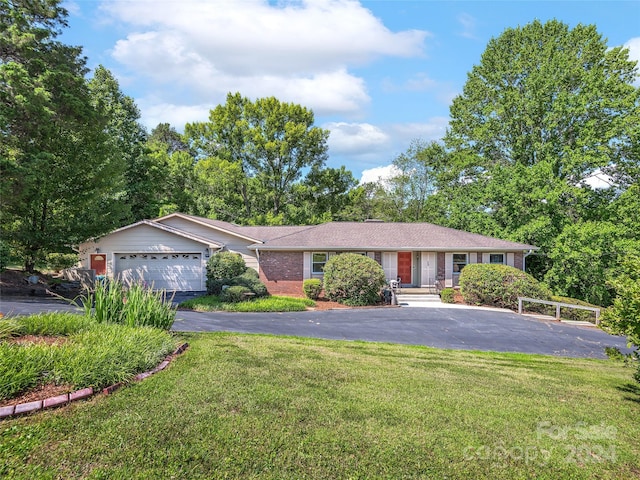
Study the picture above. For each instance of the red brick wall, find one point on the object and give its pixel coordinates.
(518, 260)
(282, 272)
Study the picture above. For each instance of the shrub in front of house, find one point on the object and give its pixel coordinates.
(499, 285)
(312, 288)
(353, 279)
(250, 280)
(235, 294)
(221, 268)
(446, 295)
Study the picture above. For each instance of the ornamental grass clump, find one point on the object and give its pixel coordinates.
(132, 305)
(353, 279)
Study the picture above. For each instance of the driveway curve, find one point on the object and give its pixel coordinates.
(460, 328)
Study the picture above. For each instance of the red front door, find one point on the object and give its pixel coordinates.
(99, 263)
(404, 268)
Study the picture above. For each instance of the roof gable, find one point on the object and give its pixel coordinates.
(169, 229)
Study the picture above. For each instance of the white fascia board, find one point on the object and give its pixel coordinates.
(208, 225)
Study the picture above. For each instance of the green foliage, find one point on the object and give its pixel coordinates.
(499, 285)
(211, 303)
(572, 313)
(584, 256)
(54, 323)
(133, 305)
(312, 287)
(60, 178)
(61, 261)
(250, 280)
(10, 327)
(271, 304)
(623, 317)
(5, 255)
(107, 354)
(353, 279)
(446, 295)
(221, 268)
(24, 367)
(265, 147)
(126, 139)
(235, 294)
(94, 355)
(546, 108)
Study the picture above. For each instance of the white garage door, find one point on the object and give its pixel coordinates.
(169, 271)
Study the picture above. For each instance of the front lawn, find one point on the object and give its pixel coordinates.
(211, 303)
(251, 406)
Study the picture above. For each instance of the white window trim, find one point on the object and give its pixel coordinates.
(326, 258)
(453, 262)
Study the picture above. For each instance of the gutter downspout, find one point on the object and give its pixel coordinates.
(524, 260)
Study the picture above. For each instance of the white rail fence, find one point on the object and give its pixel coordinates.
(558, 305)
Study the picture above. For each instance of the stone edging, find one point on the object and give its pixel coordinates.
(59, 400)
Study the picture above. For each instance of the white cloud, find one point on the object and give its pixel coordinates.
(177, 115)
(298, 51)
(376, 174)
(633, 45)
(434, 129)
(468, 24)
(363, 146)
(356, 138)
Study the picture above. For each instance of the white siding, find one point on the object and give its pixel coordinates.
(485, 257)
(472, 257)
(231, 242)
(143, 238)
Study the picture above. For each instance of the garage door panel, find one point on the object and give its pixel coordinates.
(163, 271)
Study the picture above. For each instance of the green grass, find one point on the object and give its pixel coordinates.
(93, 354)
(250, 406)
(210, 303)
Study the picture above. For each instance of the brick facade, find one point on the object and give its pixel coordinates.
(282, 272)
(518, 260)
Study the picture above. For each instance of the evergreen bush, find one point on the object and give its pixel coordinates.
(446, 295)
(499, 285)
(353, 279)
(221, 268)
(235, 294)
(312, 288)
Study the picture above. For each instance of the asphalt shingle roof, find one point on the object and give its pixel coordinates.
(380, 235)
(364, 236)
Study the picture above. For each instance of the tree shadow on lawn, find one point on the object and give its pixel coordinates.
(633, 389)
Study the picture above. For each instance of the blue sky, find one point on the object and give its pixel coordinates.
(377, 74)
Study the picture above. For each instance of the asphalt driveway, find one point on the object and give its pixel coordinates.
(460, 328)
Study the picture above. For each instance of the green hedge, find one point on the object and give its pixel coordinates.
(499, 285)
(353, 279)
